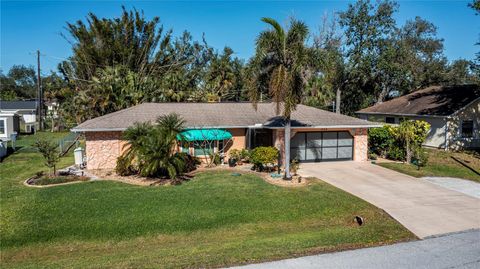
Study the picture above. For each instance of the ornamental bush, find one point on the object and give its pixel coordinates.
(263, 156)
(234, 154)
(398, 142)
(380, 140)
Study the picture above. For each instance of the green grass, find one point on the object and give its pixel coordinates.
(214, 220)
(440, 164)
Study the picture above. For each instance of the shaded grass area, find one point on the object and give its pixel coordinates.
(441, 164)
(214, 220)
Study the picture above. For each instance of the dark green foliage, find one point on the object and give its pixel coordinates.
(49, 151)
(396, 153)
(379, 140)
(124, 167)
(191, 162)
(19, 83)
(151, 148)
(262, 157)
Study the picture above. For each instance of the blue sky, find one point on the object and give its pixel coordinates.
(30, 25)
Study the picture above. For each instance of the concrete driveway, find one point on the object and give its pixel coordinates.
(424, 208)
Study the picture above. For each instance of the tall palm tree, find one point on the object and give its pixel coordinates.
(283, 60)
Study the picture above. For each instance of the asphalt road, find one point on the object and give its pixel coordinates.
(458, 250)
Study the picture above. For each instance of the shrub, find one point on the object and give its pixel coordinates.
(264, 156)
(191, 162)
(245, 155)
(216, 160)
(49, 152)
(151, 148)
(294, 166)
(379, 140)
(396, 153)
(372, 155)
(124, 166)
(398, 142)
(420, 158)
(235, 154)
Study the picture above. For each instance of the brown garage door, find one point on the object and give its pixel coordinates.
(322, 146)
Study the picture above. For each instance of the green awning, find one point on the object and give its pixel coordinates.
(204, 134)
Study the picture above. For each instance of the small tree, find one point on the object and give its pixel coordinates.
(49, 151)
(413, 134)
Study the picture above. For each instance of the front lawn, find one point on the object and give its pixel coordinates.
(214, 220)
(441, 164)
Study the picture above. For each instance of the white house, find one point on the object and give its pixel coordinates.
(27, 110)
(9, 124)
(452, 111)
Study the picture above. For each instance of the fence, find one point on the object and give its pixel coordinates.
(65, 143)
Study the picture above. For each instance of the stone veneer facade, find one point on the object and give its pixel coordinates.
(103, 148)
(360, 144)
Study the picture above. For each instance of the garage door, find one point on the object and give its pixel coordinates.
(322, 146)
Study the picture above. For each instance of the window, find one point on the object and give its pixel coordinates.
(390, 120)
(202, 148)
(467, 128)
(2, 126)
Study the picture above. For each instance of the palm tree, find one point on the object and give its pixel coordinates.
(283, 60)
(152, 148)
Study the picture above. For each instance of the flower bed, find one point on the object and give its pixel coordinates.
(45, 180)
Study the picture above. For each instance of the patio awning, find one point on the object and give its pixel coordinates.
(204, 134)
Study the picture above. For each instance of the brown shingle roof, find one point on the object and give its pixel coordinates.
(434, 100)
(219, 115)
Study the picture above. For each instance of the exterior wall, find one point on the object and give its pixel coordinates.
(239, 139)
(360, 144)
(455, 140)
(103, 149)
(11, 126)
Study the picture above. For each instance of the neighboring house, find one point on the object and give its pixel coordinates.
(317, 135)
(27, 110)
(452, 111)
(9, 124)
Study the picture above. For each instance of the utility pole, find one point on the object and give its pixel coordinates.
(40, 94)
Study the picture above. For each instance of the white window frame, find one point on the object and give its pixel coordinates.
(4, 127)
(460, 130)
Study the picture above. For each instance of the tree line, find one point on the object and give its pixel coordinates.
(361, 55)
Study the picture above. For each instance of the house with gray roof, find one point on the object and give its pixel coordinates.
(25, 110)
(317, 135)
(452, 111)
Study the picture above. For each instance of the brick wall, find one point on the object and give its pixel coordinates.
(103, 149)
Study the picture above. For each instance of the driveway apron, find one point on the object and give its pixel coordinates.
(424, 208)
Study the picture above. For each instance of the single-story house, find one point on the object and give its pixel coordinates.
(9, 125)
(27, 110)
(317, 135)
(452, 111)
